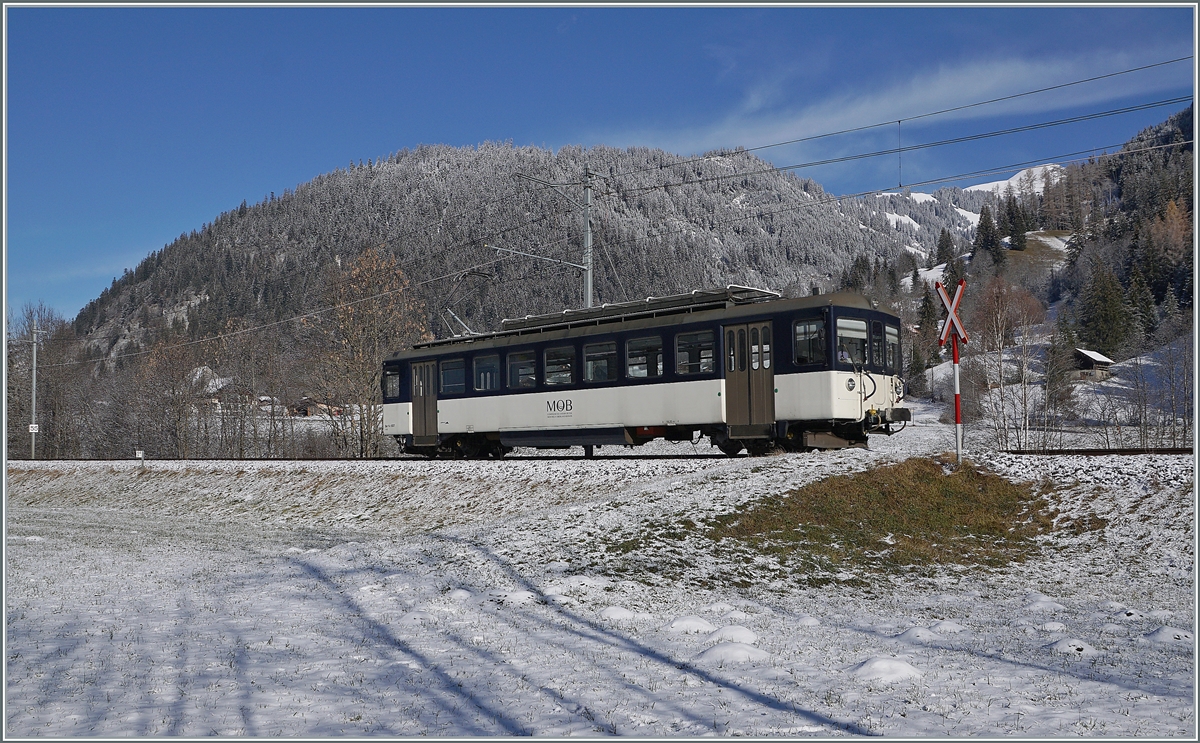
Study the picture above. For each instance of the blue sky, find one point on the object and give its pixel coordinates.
(129, 126)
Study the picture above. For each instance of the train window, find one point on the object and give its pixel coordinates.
(731, 352)
(391, 385)
(644, 357)
(754, 348)
(766, 348)
(810, 342)
(487, 372)
(852, 340)
(521, 370)
(419, 383)
(454, 377)
(560, 365)
(600, 362)
(694, 353)
(741, 349)
(877, 343)
(893, 347)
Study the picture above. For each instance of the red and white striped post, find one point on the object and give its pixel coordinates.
(953, 328)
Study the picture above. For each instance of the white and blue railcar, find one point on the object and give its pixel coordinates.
(742, 366)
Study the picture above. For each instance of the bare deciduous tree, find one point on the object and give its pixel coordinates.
(374, 314)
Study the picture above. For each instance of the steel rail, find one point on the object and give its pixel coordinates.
(1101, 452)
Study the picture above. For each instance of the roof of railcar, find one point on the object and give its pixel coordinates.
(704, 303)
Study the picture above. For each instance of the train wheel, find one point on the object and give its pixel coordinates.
(730, 447)
(469, 447)
(760, 447)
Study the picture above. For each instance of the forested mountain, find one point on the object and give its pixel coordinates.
(220, 343)
(659, 228)
(1131, 252)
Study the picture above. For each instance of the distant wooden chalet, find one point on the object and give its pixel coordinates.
(308, 407)
(1091, 366)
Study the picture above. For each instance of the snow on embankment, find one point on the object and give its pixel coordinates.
(402, 494)
(510, 620)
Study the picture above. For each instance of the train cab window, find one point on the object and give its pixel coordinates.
(487, 372)
(522, 373)
(391, 385)
(644, 357)
(454, 377)
(852, 341)
(560, 366)
(892, 347)
(809, 339)
(695, 353)
(877, 343)
(600, 362)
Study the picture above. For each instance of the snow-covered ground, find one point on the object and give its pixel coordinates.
(1038, 181)
(560, 597)
(895, 220)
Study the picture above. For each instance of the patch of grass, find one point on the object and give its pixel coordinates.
(1038, 255)
(914, 513)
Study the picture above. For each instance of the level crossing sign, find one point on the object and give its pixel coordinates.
(951, 305)
(953, 329)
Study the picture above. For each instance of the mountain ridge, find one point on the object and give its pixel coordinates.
(725, 218)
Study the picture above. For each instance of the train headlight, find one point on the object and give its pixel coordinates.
(850, 384)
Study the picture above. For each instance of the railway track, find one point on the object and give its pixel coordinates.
(580, 457)
(1100, 452)
(400, 459)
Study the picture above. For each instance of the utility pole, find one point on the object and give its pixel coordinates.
(587, 236)
(33, 426)
(587, 229)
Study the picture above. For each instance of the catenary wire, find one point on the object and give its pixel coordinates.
(1077, 156)
(739, 150)
(474, 242)
(897, 150)
(913, 147)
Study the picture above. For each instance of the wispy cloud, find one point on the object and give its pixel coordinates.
(769, 110)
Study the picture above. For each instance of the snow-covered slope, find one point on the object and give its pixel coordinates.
(486, 598)
(1038, 181)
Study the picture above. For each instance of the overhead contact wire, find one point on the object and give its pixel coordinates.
(739, 150)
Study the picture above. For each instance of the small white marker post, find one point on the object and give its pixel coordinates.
(953, 328)
(141, 455)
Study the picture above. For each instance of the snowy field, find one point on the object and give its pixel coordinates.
(503, 598)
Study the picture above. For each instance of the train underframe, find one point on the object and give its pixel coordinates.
(793, 436)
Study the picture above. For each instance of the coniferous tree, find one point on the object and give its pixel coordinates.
(1014, 220)
(1170, 321)
(945, 248)
(1141, 301)
(914, 375)
(927, 324)
(987, 239)
(955, 271)
(858, 276)
(1104, 318)
(1060, 363)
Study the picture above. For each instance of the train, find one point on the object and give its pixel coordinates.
(745, 367)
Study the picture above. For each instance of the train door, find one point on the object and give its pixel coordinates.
(424, 403)
(749, 380)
